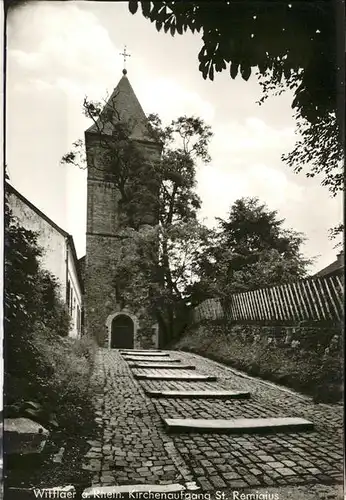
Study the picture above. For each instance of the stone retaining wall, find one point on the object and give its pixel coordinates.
(305, 358)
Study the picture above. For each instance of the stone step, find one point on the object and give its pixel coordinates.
(165, 366)
(238, 425)
(141, 351)
(174, 376)
(153, 359)
(146, 353)
(199, 394)
(23, 436)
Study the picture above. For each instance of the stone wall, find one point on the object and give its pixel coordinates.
(58, 253)
(100, 297)
(299, 336)
(147, 338)
(49, 239)
(103, 246)
(77, 302)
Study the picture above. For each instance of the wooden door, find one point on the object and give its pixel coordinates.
(122, 332)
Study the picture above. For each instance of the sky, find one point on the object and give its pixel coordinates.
(60, 52)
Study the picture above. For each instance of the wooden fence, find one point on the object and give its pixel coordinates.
(312, 299)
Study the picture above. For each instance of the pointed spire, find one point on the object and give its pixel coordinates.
(127, 109)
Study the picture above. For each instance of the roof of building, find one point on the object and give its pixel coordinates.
(10, 189)
(123, 106)
(337, 265)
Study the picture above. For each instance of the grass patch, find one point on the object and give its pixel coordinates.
(59, 385)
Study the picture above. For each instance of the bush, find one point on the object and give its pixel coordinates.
(86, 346)
(67, 390)
(57, 378)
(46, 372)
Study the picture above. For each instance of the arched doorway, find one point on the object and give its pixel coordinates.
(122, 332)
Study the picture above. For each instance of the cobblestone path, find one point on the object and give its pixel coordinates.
(133, 446)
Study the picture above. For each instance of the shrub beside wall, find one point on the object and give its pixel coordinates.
(54, 374)
(46, 373)
(305, 358)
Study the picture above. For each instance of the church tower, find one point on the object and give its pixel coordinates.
(105, 318)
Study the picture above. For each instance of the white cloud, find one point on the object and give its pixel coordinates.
(31, 61)
(219, 189)
(70, 44)
(250, 134)
(172, 99)
(273, 186)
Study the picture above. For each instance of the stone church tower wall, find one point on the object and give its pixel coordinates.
(102, 238)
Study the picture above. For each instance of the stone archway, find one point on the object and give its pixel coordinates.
(122, 329)
(122, 332)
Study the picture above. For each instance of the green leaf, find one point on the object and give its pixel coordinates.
(33, 412)
(221, 65)
(234, 69)
(53, 422)
(245, 71)
(133, 6)
(145, 8)
(33, 404)
(211, 72)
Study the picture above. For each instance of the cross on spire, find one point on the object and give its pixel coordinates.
(125, 55)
